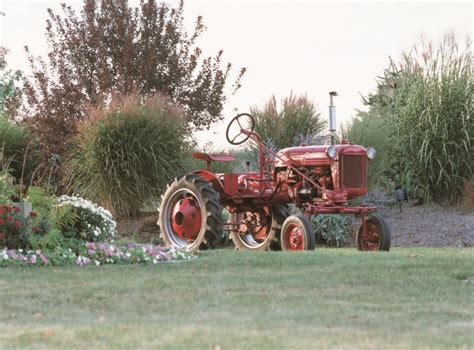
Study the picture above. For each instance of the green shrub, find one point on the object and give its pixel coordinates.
(18, 150)
(331, 228)
(125, 155)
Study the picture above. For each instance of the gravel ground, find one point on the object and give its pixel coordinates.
(430, 226)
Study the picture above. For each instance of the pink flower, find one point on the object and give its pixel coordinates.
(9, 218)
(33, 259)
(44, 259)
(2, 222)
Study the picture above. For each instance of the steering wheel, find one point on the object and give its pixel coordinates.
(235, 130)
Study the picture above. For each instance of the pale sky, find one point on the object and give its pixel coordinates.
(310, 47)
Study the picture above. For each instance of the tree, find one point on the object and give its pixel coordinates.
(112, 49)
(10, 92)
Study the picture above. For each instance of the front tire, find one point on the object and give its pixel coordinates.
(377, 235)
(297, 234)
(190, 214)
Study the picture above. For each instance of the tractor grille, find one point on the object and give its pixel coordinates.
(353, 171)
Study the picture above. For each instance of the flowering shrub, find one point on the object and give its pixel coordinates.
(20, 257)
(95, 254)
(132, 253)
(93, 223)
(14, 227)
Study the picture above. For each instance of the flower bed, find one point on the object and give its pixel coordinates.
(95, 254)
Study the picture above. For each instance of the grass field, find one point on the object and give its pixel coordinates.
(329, 298)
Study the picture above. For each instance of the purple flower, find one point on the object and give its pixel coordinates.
(44, 259)
(90, 245)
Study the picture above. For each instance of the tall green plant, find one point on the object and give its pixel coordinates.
(297, 121)
(420, 118)
(125, 155)
(432, 118)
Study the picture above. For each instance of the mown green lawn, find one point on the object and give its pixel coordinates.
(329, 298)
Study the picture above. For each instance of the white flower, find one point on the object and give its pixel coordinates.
(155, 261)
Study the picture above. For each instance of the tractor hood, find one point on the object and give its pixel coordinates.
(314, 155)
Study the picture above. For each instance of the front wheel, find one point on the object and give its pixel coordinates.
(190, 214)
(297, 234)
(376, 235)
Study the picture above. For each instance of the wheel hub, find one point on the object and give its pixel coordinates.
(371, 237)
(295, 240)
(186, 218)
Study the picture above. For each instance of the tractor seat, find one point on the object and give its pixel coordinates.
(214, 157)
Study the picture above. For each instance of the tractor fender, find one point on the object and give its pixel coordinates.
(213, 179)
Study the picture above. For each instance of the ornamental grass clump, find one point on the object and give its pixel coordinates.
(297, 121)
(125, 155)
(432, 117)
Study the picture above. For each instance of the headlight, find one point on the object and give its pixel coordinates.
(371, 153)
(331, 152)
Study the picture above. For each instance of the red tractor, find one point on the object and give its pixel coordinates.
(316, 179)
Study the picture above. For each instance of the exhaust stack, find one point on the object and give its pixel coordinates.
(332, 116)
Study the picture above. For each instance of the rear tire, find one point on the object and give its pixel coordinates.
(297, 234)
(276, 217)
(190, 214)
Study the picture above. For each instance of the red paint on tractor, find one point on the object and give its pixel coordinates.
(294, 238)
(186, 218)
(371, 236)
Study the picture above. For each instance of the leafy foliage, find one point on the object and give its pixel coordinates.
(10, 93)
(125, 155)
(92, 223)
(19, 151)
(112, 49)
(14, 227)
(331, 228)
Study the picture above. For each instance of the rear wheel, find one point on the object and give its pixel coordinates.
(297, 234)
(258, 230)
(377, 235)
(190, 214)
